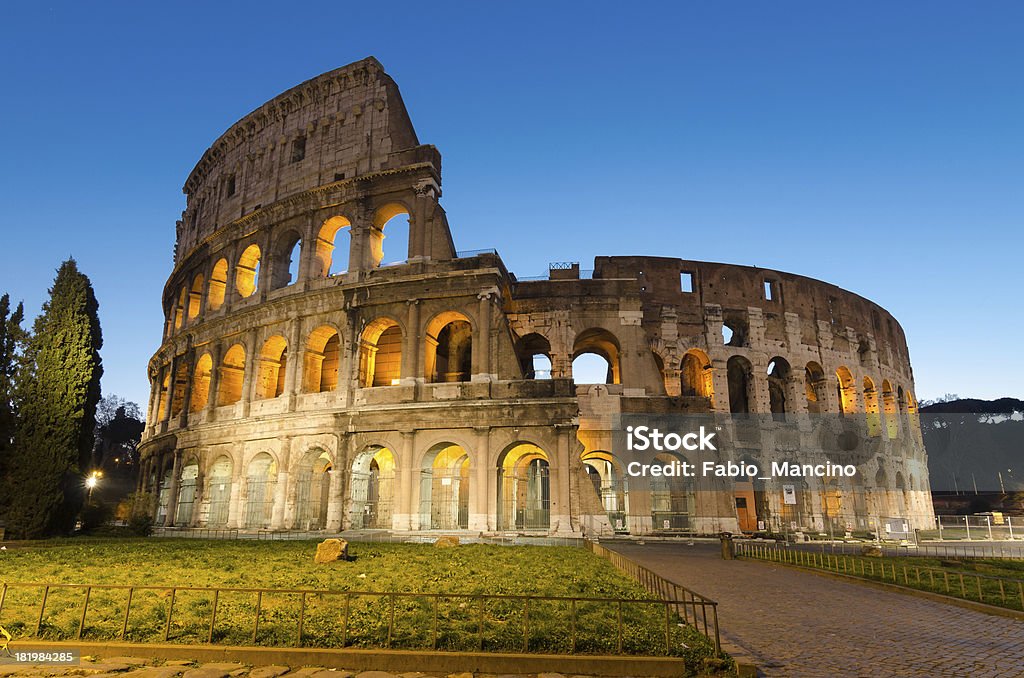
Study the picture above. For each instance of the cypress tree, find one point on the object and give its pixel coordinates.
(12, 337)
(57, 393)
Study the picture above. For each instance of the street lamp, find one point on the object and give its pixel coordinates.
(92, 480)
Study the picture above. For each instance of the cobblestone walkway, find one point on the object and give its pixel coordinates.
(796, 623)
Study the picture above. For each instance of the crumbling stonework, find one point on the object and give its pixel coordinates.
(294, 392)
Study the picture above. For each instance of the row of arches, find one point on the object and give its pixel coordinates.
(259, 495)
(447, 357)
(285, 259)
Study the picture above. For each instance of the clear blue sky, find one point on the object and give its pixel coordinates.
(875, 146)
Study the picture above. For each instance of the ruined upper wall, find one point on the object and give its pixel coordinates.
(341, 124)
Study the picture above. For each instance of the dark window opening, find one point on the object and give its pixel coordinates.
(299, 149)
(338, 176)
(231, 185)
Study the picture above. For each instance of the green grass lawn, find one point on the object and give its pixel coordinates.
(335, 620)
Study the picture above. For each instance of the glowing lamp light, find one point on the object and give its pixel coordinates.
(396, 382)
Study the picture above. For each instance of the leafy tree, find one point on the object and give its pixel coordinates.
(119, 425)
(56, 395)
(12, 337)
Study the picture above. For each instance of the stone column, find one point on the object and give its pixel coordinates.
(560, 510)
(407, 493)
(172, 503)
(236, 514)
(172, 368)
(482, 343)
(248, 382)
(281, 488)
(296, 362)
(412, 351)
(334, 503)
(478, 495)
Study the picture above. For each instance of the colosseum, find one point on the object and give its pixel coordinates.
(331, 362)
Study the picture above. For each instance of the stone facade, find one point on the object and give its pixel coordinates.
(295, 391)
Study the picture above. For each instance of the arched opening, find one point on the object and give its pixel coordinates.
(814, 388)
(220, 491)
(872, 413)
(605, 474)
(322, 358)
(751, 501)
(892, 422)
(524, 488)
(380, 354)
(444, 488)
(735, 327)
(179, 310)
(312, 490)
(232, 374)
(534, 353)
(195, 297)
(372, 489)
(672, 498)
(332, 248)
(163, 497)
(739, 373)
(272, 368)
(285, 262)
(218, 285)
(186, 493)
(832, 505)
(695, 375)
(260, 481)
(180, 386)
(389, 237)
(595, 358)
(846, 391)
(247, 272)
(449, 348)
(201, 383)
(165, 382)
(795, 508)
(912, 415)
(779, 376)
(881, 493)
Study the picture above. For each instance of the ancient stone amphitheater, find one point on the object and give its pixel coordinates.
(331, 362)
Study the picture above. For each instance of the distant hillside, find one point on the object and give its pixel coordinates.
(975, 406)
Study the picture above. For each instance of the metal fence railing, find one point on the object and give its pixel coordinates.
(1001, 591)
(377, 619)
(995, 527)
(695, 609)
(997, 549)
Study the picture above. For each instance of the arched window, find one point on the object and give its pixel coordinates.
(218, 285)
(372, 489)
(260, 482)
(389, 238)
(285, 263)
(380, 354)
(332, 248)
(312, 485)
(273, 366)
(695, 375)
(219, 491)
(232, 373)
(872, 413)
(323, 351)
(605, 473)
(892, 422)
(524, 490)
(534, 353)
(595, 358)
(444, 488)
(779, 376)
(162, 396)
(195, 297)
(247, 272)
(449, 348)
(201, 383)
(672, 499)
(815, 388)
(186, 493)
(739, 372)
(179, 310)
(180, 385)
(846, 391)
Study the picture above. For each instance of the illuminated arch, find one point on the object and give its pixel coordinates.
(372, 489)
(449, 348)
(603, 344)
(321, 361)
(201, 383)
(695, 375)
(380, 353)
(273, 365)
(444, 488)
(195, 297)
(872, 413)
(247, 271)
(218, 285)
(232, 374)
(846, 390)
(312, 489)
(218, 490)
(331, 256)
(385, 225)
(815, 387)
(524, 488)
(260, 483)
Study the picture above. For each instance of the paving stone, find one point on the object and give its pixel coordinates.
(223, 666)
(268, 671)
(130, 661)
(205, 672)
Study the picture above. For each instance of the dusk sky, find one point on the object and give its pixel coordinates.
(877, 146)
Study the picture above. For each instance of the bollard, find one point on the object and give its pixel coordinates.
(728, 546)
